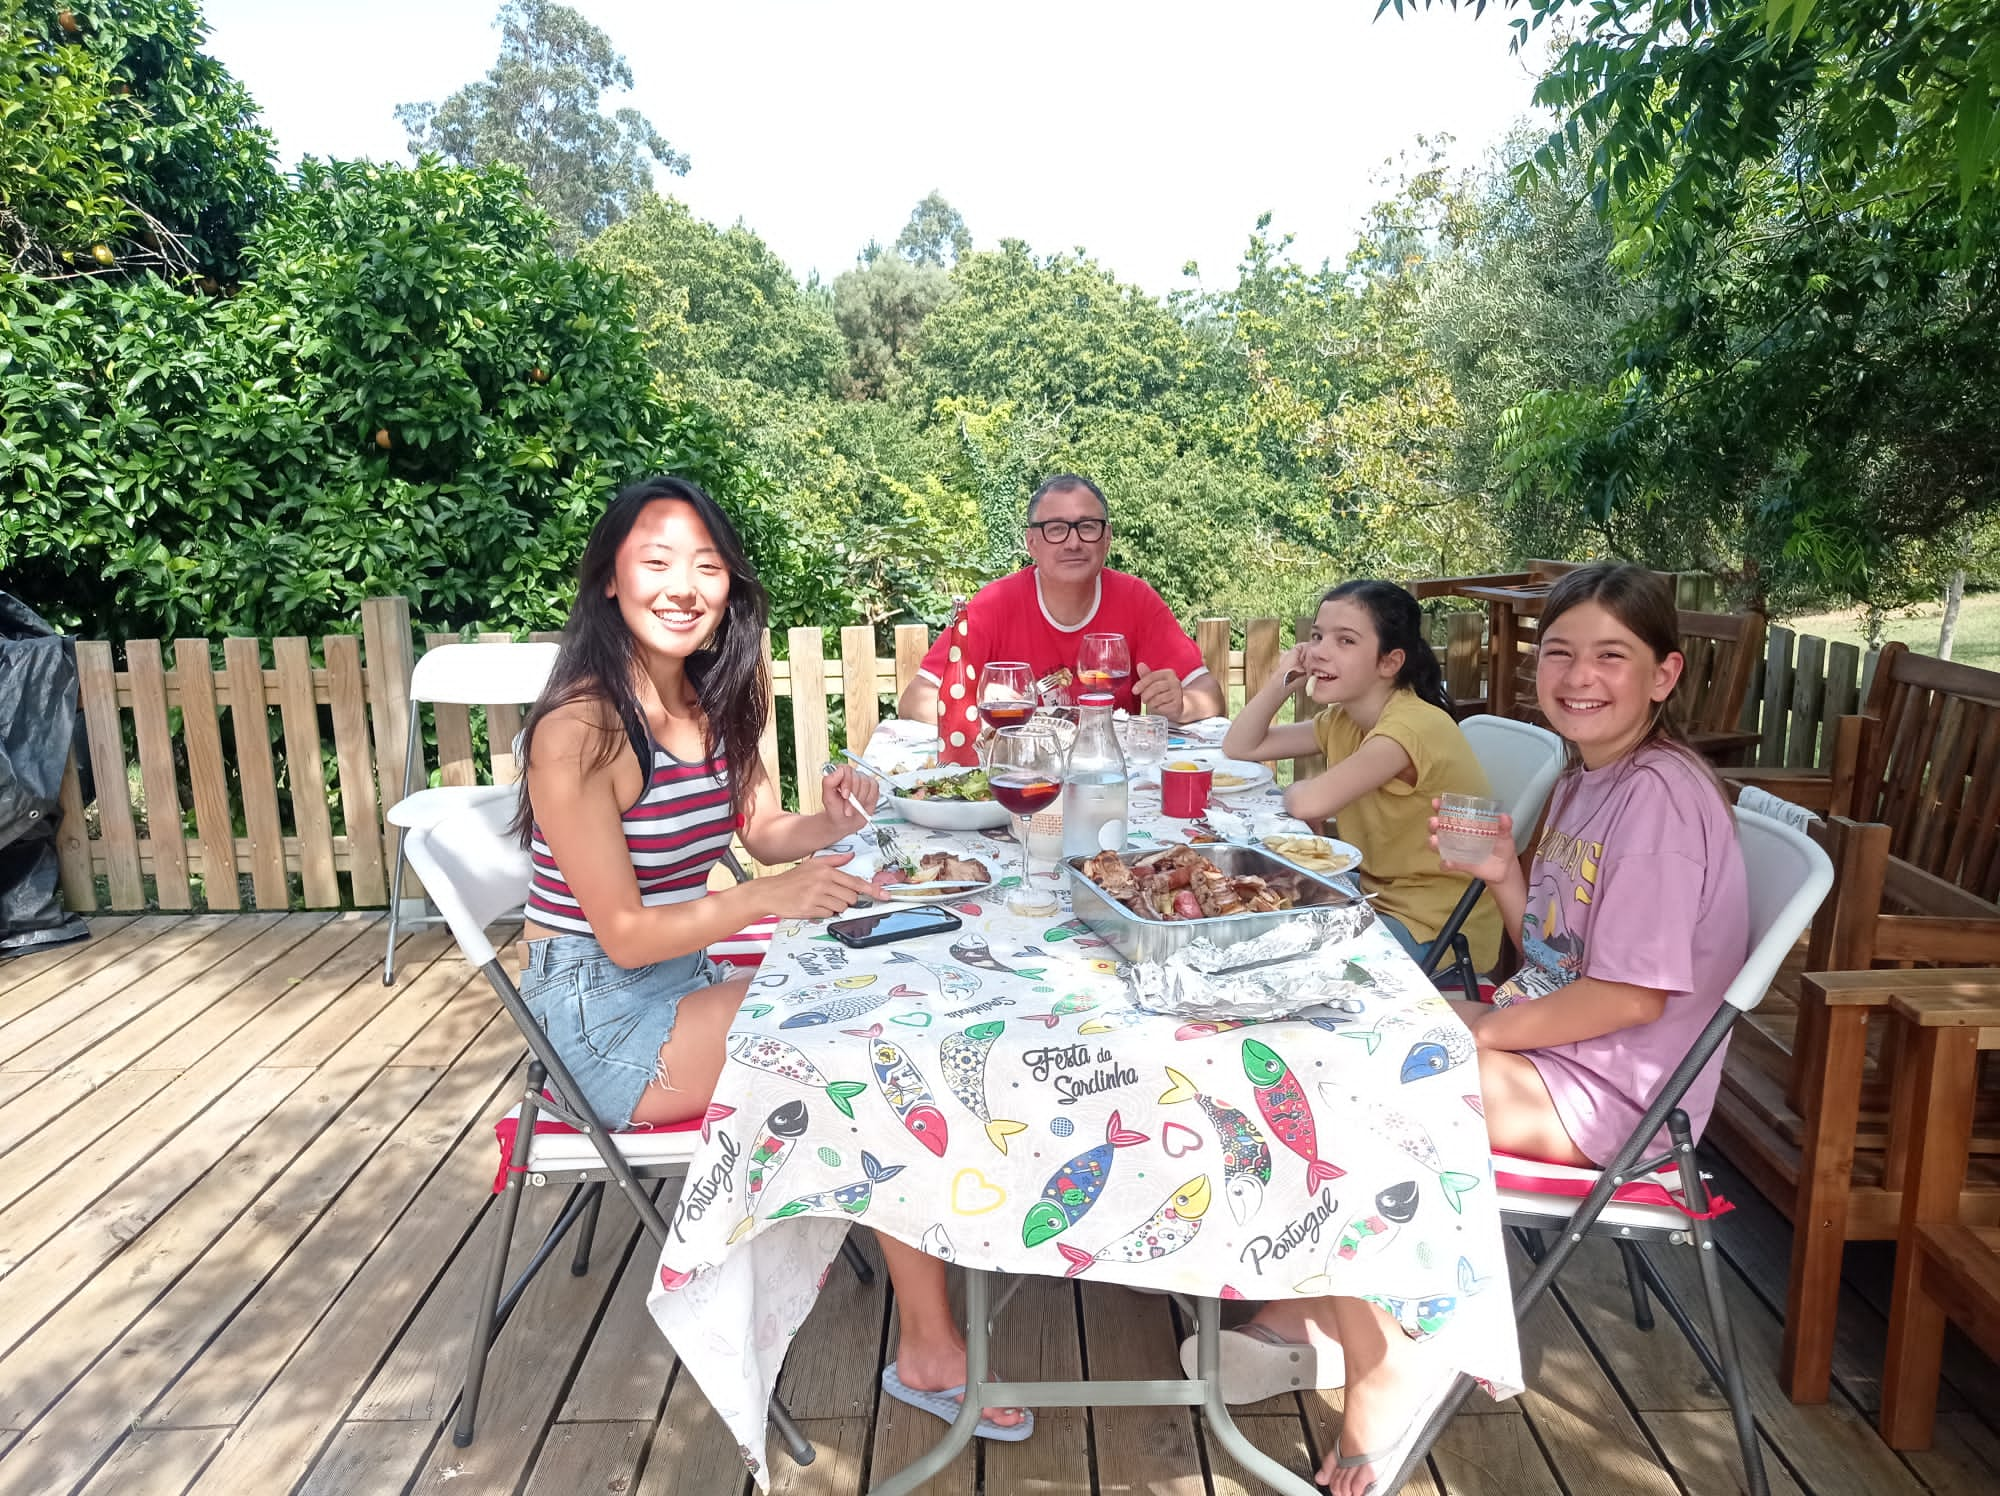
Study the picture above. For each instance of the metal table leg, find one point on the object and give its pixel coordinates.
(1205, 1393)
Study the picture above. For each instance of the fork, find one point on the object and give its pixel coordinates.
(891, 850)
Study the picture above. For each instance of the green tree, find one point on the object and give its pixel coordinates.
(880, 306)
(540, 108)
(122, 147)
(717, 303)
(935, 235)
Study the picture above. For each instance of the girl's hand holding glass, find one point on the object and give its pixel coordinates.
(1453, 836)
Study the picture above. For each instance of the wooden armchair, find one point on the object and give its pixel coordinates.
(1912, 807)
(1947, 1266)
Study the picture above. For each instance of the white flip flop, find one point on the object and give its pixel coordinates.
(1258, 1362)
(945, 1404)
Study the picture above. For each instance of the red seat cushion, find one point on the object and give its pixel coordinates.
(509, 1126)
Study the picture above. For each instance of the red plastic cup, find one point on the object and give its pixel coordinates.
(1184, 792)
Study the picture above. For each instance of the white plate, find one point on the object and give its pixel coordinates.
(945, 815)
(924, 893)
(1334, 847)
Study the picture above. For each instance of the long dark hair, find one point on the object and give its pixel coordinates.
(599, 660)
(1643, 602)
(1399, 624)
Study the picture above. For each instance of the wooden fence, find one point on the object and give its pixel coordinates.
(258, 773)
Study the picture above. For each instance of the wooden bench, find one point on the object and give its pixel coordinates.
(1946, 1267)
(1912, 807)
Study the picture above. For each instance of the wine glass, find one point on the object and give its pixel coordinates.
(1104, 663)
(1006, 693)
(1024, 770)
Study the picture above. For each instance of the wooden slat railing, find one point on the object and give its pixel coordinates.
(263, 780)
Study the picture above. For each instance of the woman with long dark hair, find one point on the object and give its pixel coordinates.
(641, 763)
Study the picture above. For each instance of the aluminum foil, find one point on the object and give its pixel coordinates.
(1301, 964)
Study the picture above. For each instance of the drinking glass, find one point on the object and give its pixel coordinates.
(1467, 828)
(1144, 740)
(1103, 663)
(1006, 693)
(1025, 769)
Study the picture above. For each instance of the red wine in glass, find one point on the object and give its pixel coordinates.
(1024, 794)
(999, 714)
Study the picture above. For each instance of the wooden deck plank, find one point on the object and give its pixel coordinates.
(531, 1361)
(139, 1363)
(15, 970)
(84, 960)
(217, 959)
(1657, 1369)
(1832, 1446)
(836, 1470)
(583, 1458)
(1037, 1339)
(1964, 1457)
(60, 1139)
(175, 1033)
(253, 1132)
(367, 1457)
(628, 1364)
(1127, 1334)
(156, 1461)
(1282, 1438)
(1702, 1447)
(232, 1370)
(165, 952)
(1497, 1457)
(109, 1184)
(847, 1320)
(279, 1438)
(692, 1453)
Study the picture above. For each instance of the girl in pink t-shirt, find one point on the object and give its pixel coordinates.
(1632, 922)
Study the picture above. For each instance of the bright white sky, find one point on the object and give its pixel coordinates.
(1149, 133)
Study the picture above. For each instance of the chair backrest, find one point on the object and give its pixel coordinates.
(482, 674)
(1721, 650)
(1788, 876)
(1521, 762)
(474, 869)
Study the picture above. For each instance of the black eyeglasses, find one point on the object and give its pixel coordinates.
(1056, 531)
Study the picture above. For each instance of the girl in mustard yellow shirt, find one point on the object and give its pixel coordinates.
(1391, 747)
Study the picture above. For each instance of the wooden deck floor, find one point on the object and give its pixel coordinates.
(243, 1205)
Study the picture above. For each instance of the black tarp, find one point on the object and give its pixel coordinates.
(37, 725)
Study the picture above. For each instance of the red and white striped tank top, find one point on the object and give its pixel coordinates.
(676, 832)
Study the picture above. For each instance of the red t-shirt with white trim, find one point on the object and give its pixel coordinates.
(1006, 620)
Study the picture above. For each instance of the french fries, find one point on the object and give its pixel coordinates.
(1314, 853)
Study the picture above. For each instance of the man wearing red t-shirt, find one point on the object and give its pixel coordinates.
(1041, 613)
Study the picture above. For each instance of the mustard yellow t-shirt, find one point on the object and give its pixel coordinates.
(1391, 825)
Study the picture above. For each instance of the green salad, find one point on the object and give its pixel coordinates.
(968, 785)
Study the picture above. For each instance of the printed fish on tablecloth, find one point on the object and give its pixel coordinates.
(1397, 1018)
(1176, 1223)
(1282, 1103)
(1405, 1133)
(1421, 1318)
(903, 1087)
(1443, 1048)
(1366, 1235)
(768, 1154)
(852, 1198)
(974, 950)
(836, 1001)
(953, 983)
(776, 1057)
(1246, 1157)
(964, 1057)
(1063, 1007)
(1074, 1188)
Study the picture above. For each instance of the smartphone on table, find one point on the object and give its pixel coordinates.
(905, 923)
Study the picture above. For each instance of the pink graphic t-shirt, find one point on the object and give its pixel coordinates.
(1638, 878)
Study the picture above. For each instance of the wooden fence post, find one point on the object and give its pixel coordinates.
(1261, 648)
(1307, 764)
(1843, 684)
(79, 884)
(857, 683)
(809, 740)
(156, 774)
(1212, 638)
(97, 682)
(1777, 697)
(208, 774)
(913, 642)
(300, 713)
(244, 663)
(385, 642)
(347, 689)
(1808, 699)
(1464, 647)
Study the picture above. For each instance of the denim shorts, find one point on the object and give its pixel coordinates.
(1404, 938)
(606, 1021)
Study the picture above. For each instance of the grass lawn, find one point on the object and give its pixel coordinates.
(1977, 641)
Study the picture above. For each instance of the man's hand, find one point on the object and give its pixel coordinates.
(1160, 692)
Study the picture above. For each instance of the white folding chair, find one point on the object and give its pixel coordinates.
(1521, 762)
(1642, 1199)
(496, 674)
(477, 872)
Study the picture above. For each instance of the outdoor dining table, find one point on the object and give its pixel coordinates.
(991, 1097)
